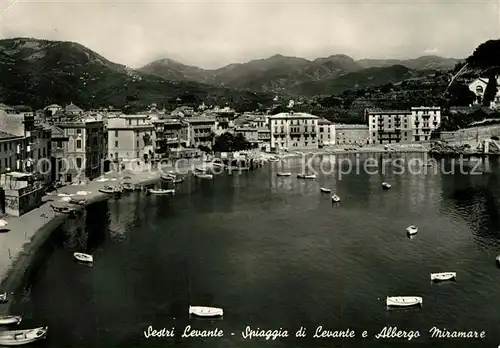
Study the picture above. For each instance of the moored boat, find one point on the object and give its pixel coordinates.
(10, 320)
(178, 181)
(65, 210)
(325, 190)
(304, 176)
(167, 177)
(284, 174)
(110, 190)
(412, 229)
(443, 276)
(386, 185)
(22, 337)
(83, 257)
(3, 297)
(335, 198)
(206, 311)
(161, 191)
(129, 187)
(204, 176)
(403, 301)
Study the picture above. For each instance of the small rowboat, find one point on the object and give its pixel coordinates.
(129, 187)
(325, 190)
(443, 276)
(303, 176)
(83, 257)
(386, 186)
(335, 198)
(11, 320)
(284, 174)
(110, 190)
(206, 311)
(3, 297)
(167, 177)
(22, 337)
(204, 176)
(412, 229)
(65, 210)
(403, 301)
(273, 159)
(161, 191)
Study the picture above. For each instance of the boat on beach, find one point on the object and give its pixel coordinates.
(201, 311)
(3, 297)
(204, 176)
(10, 320)
(386, 186)
(161, 191)
(443, 276)
(412, 229)
(273, 159)
(22, 337)
(64, 210)
(110, 190)
(335, 198)
(325, 190)
(167, 177)
(304, 176)
(129, 187)
(403, 301)
(284, 174)
(83, 257)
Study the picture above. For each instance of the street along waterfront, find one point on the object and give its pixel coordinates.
(276, 254)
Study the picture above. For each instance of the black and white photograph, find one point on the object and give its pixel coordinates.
(249, 174)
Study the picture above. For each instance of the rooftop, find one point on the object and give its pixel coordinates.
(6, 136)
(381, 111)
(293, 115)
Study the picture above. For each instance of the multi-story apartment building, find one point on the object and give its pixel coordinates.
(250, 133)
(352, 134)
(201, 131)
(169, 134)
(8, 151)
(60, 147)
(389, 126)
(424, 120)
(83, 152)
(326, 132)
(264, 138)
(294, 130)
(130, 137)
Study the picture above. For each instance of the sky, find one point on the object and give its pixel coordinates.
(211, 34)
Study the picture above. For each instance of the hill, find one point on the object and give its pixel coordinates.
(40, 72)
(281, 74)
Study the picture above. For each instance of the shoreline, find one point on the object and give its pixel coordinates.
(17, 253)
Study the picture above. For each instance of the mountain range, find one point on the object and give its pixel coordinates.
(39, 72)
(299, 76)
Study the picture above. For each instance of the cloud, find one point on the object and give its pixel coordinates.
(431, 51)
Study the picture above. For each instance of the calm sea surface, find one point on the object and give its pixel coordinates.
(274, 253)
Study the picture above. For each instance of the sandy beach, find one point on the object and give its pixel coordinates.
(29, 231)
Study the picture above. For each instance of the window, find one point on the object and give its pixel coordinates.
(116, 134)
(116, 143)
(6, 163)
(39, 153)
(5, 147)
(59, 144)
(78, 144)
(78, 131)
(137, 143)
(129, 122)
(78, 162)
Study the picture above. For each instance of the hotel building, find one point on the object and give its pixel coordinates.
(389, 126)
(425, 120)
(294, 130)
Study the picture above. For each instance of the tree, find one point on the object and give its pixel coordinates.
(460, 95)
(227, 142)
(491, 91)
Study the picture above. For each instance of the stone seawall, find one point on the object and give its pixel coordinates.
(470, 135)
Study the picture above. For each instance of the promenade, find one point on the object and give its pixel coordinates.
(29, 231)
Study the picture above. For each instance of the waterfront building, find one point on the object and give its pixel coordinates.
(84, 151)
(201, 131)
(389, 126)
(130, 137)
(169, 134)
(8, 151)
(424, 120)
(250, 133)
(352, 134)
(294, 131)
(21, 193)
(224, 121)
(326, 132)
(60, 145)
(264, 139)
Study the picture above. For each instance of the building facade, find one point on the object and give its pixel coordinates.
(250, 133)
(294, 130)
(83, 152)
(169, 134)
(352, 134)
(130, 137)
(425, 119)
(326, 132)
(389, 126)
(201, 131)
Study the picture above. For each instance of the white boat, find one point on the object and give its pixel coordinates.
(11, 320)
(204, 176)
(304, 176)
(83, 257)
(3, 297)
(273, 159)
(22, 337)
(110, 190)
(443, 276)
(403, 301)
(206, 311)
(161, 191)
(335, 198)
(325, 190)
(412, 229)
(167, 177)
(284, 174)
(386, 185)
